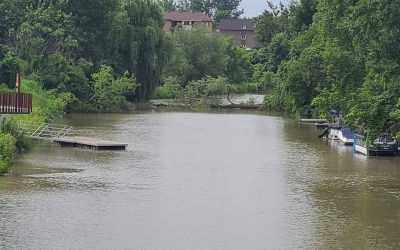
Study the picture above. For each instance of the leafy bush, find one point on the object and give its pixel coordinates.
(169, 90)
(9, 126)
(7, 149)
(108, 92)
(47, 105)
(216, 86)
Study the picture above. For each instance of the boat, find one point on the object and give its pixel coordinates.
(336, 131)
(344, 135)
(382, 146)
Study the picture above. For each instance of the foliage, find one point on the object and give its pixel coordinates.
(7, 148)
(10, 126)
(215, 8)
(196, 92)
(168, 5)
(271, 22)
(221, 14)
(9, 66)
(239, 67)
(169, 90)
(47, 105)
(344, 56)
(197, 54)
(147, 49)
(108, 92)
(62, 43)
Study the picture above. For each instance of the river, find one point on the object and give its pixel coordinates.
(200, 181)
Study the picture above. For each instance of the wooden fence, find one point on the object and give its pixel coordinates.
(15, 103)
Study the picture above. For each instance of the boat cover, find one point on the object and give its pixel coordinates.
(347, 133)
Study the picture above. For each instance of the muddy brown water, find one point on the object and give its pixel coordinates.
(200, 181)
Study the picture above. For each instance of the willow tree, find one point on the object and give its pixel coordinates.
(146, 47)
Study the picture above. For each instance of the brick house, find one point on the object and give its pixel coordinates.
(186, 20)
(242, 30)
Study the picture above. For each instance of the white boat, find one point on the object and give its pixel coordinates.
(344, 135)
(336, 131)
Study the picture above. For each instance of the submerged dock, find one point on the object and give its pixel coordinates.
(85, 142)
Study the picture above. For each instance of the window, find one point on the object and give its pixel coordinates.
(243, 37)
(244, 26)
(186, 23)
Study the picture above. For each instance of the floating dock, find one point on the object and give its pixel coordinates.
(313, 120)
(85, 142)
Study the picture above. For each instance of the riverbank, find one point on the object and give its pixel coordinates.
(241, 101)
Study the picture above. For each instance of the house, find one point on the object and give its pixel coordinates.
(186, 20)
(242, 30)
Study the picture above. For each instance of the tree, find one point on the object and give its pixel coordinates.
(268, 24)
(168, 5)
(231, 6)
(108, 92)
(197, 54)
(303, 13)
(221, 14)
(239, 67)
(9, 67)
(212, 7)
(146, 48)
(46, 29)
(93, 20)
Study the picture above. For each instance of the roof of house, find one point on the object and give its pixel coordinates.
(235, 24)
(186, 16)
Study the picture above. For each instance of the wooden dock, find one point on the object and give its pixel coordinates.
(85, 142)
(313, 120)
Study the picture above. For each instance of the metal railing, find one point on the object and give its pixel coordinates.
(47, 131)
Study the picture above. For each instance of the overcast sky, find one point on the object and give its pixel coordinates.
(254, 8)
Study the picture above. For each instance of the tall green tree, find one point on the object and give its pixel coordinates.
(271, 22)
(197, 54)
(93, 21)
(146, 49)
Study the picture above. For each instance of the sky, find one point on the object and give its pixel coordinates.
(253, 8)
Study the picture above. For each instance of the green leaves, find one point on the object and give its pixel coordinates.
(7, 148)
(216, 8)
(197, 54)
(109, 92)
